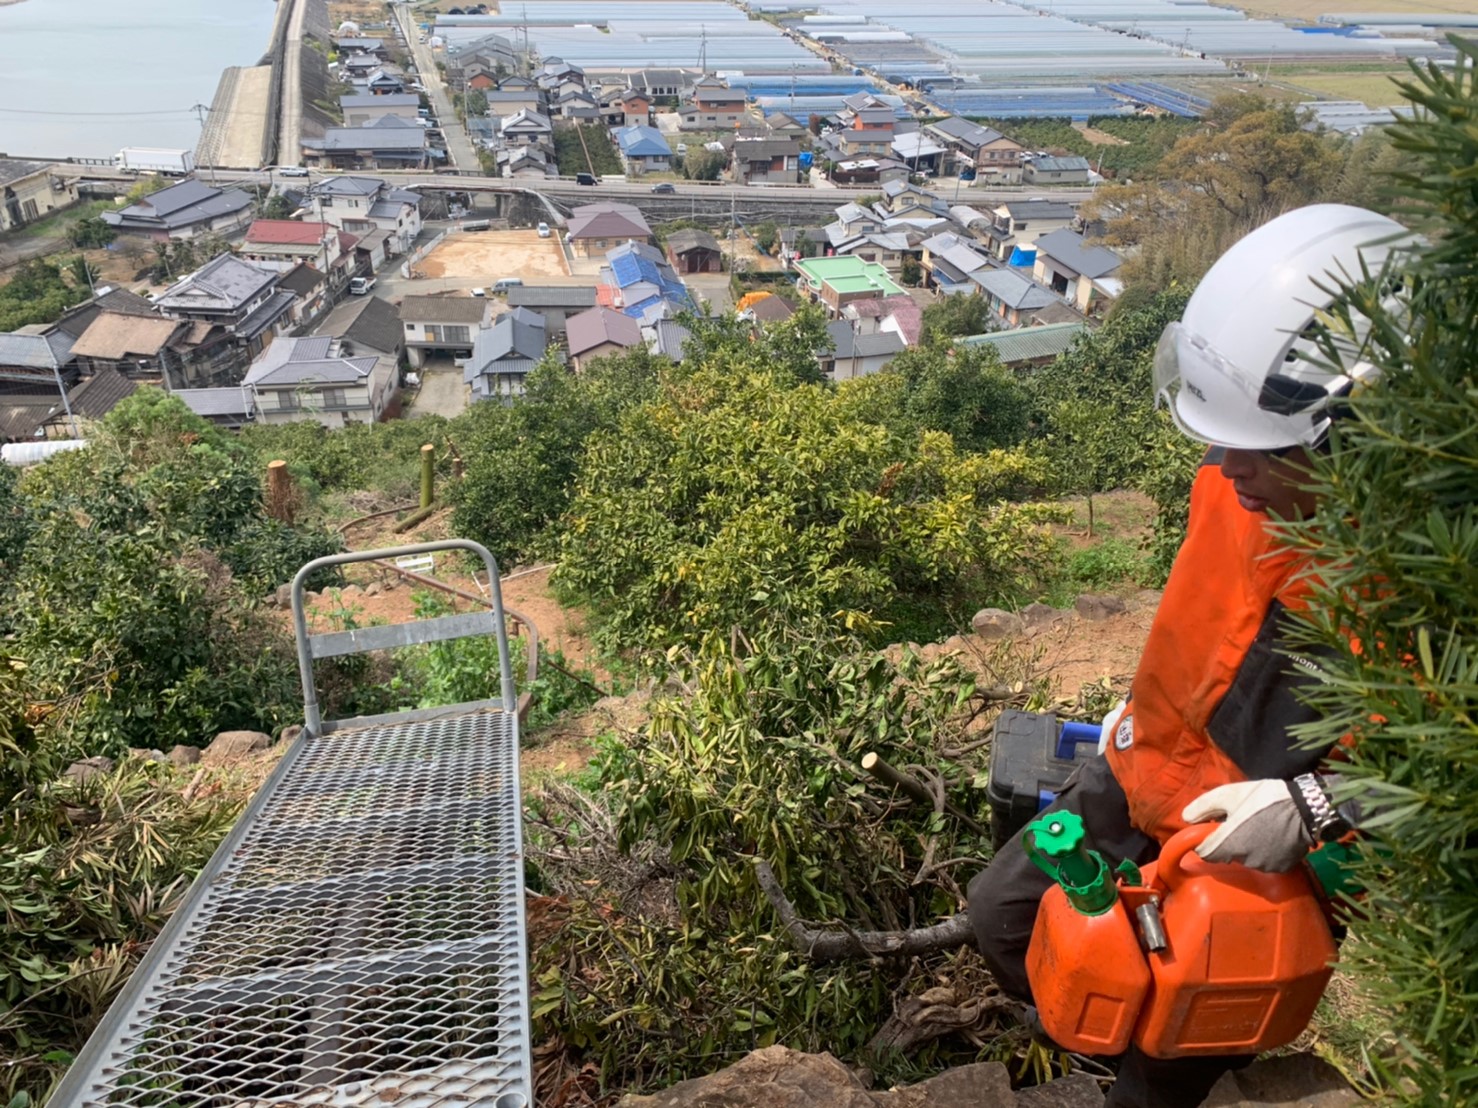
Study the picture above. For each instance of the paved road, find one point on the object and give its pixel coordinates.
(458, 146)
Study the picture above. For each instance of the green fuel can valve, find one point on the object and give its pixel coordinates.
(1057, 844)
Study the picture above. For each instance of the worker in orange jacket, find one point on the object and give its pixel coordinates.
(1208, 730)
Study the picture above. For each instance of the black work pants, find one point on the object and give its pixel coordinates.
(1003, 901)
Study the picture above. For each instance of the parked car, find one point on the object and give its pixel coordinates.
(293, 171)
(358, 286)
(503, 284)
(586, 179)
(543, 230)
(479, 292)
(666, 188)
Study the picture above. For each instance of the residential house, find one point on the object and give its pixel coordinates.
(1072, 170)
(576, 103)
(76, 318)
(643, 150)
(766, 161)
(899, 314)
(388, 143)
(694, 251)
(143, 347)
(356, 68)
(625, 107)
(31, 362)
(311, 378)
(669, 84)
(556, 72)
(353, 46)
(645, 286)
(902, 200)
(364, 326)
(600, 332)
(231, 407)
(526, 128)
(384, 82)
(784, 125)
(919, 152)
(666, 338)
(885, 247)
(1084, 275)
(371, 251)
(482, 63)
(989, 154)
(30, 191)
(361, 205)
(867, 127)
(764, 307)
(310, 288)
(504, 101)
(556, 303)
(713, 106)
(505, 354)
(182, 211)
(861, 171)
(1011, 296)
(26, 417)
(281, 244)
(835, 282)
(1029, 346)
(854, 354)
(361, 109)
(234, 308)
(531, 162)
(1022, 222)
(948, 260)
(595, 228)
(441, 325)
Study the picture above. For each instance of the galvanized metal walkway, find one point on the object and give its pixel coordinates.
(358, 939)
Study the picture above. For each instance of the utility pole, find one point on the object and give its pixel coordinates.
(66, 401)
(200, 110)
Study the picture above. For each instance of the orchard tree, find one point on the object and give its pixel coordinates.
(1250, 161)
(736, 498)
(950, 316)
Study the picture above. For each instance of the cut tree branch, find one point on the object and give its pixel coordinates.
(916, 790)
(832, 946)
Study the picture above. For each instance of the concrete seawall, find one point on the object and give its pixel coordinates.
(261, 113)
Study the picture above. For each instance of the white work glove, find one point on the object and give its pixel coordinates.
(1263, 827)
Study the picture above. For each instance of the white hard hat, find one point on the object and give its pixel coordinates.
(1235, 371)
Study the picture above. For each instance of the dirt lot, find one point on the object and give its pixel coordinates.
(485, 256)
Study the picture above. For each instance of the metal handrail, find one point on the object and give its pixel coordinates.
(330, 644)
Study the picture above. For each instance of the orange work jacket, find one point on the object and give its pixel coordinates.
(1213, 700)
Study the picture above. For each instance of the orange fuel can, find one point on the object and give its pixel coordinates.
(1246, 958)
(1189, 958)
(1089, 977)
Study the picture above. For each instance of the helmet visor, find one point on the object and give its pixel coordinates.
(1213, 399)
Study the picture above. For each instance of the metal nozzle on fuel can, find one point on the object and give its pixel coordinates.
(1151, 927)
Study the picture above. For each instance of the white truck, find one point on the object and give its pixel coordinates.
(151, 159)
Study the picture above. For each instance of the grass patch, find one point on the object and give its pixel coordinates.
(57, 222)
(1377, 90)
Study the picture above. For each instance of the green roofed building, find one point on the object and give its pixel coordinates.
(838, 281)
(1029, 345)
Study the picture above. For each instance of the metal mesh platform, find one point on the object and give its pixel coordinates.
(358, 939)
